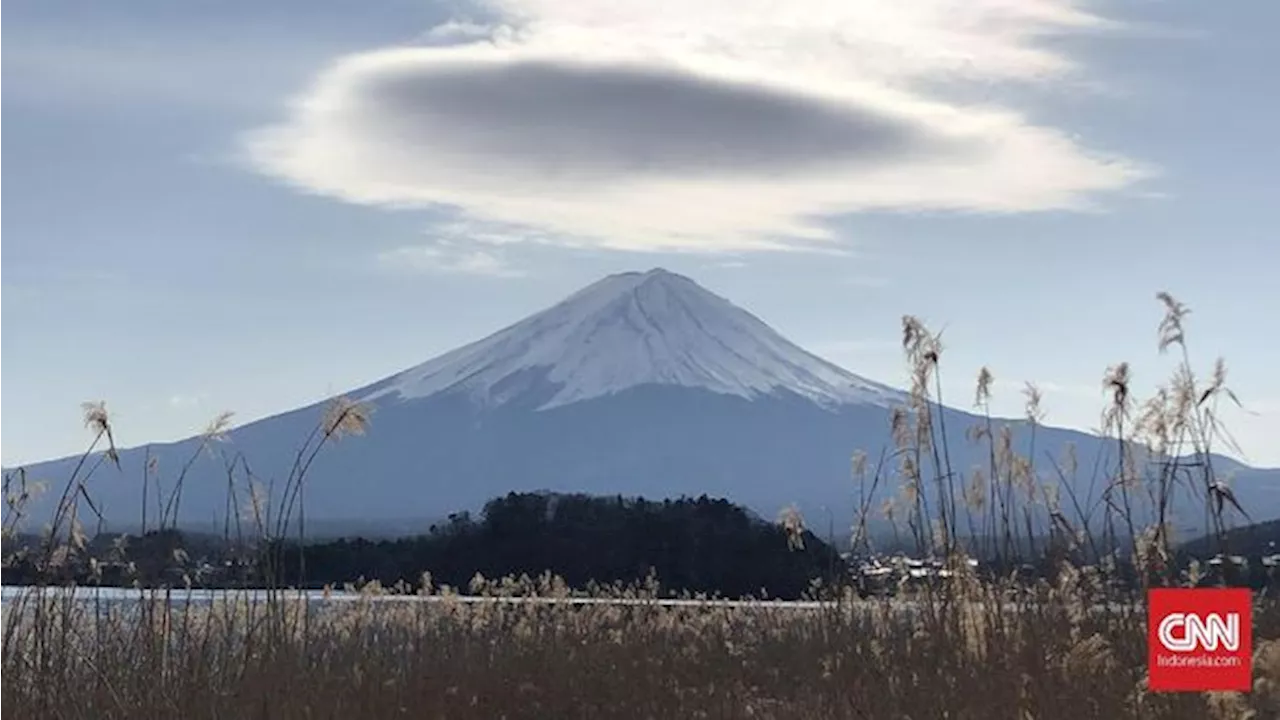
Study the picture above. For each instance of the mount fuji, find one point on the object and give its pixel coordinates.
(628, 331)
(639, 384)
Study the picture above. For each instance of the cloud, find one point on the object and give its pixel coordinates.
(490, 233)
(184, 400)
(446, 258)
(575, 123)
(708, 126)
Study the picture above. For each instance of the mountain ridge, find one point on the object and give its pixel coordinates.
(638, 384)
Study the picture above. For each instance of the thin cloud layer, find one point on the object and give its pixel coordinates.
(447, 258)
(749, 133)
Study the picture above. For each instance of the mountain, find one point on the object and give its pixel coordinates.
(627, 331)
(639, 384)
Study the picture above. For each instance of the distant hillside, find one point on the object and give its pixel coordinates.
(1257, 540)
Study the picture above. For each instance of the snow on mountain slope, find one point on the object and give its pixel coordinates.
(634, 329)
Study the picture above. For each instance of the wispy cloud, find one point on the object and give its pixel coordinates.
(446, 258)
(714, 125)
(187, 400)
(492, 233)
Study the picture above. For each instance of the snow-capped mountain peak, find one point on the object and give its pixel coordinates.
(627, 330)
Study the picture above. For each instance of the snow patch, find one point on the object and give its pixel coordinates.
(636, 329)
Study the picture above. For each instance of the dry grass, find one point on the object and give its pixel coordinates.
(1069, 647)
(285, 658)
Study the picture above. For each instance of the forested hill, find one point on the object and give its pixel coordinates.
(696, 545)
(1251, 541)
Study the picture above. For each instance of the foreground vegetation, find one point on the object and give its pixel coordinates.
(1070, 644)
(1045, 658)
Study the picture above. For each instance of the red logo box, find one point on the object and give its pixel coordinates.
(1200, 639)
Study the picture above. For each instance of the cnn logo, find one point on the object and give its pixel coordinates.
(1184, 632)
(1199, 639)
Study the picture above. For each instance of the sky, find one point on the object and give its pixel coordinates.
(253, 206)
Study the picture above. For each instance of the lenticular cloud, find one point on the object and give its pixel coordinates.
(607, 124)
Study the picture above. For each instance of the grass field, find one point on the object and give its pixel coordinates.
(955, 656)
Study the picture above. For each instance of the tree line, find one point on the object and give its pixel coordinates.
(694, 545)
(700, 545)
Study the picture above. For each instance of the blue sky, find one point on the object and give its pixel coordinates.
(252, 206)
